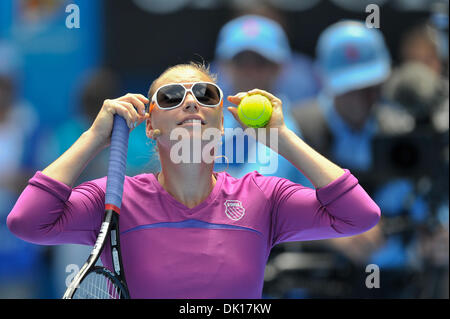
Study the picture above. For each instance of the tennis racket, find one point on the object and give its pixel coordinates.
(97, 282)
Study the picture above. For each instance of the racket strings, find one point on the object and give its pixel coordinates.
(97, 286)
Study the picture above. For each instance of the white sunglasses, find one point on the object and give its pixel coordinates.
(172, 95)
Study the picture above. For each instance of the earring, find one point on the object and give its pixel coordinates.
(156, 133)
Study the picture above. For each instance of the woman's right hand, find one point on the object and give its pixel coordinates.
(130, 106)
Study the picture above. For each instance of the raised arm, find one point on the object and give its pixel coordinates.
(338, 207)
(68, 167)
(49, 211)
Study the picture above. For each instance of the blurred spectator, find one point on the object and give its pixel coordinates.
(341, 123)
(16, 138)
(353, 125)
(297, 79)
(254, 52)
(422, 93)
(421, 44)
(420, 83)
(20, 263)
(420, 86)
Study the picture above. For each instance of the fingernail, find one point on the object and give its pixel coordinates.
(135, 123)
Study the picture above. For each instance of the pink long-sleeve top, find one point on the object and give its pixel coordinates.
(217, 249)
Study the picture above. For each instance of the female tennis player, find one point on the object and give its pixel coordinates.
(187, 231)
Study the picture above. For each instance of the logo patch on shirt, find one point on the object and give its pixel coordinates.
(234, 209)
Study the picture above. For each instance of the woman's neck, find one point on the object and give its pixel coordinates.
(190, 184)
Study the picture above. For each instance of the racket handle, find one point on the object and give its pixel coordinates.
(117, 163)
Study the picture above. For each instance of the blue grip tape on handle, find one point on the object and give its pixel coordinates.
(117, 162)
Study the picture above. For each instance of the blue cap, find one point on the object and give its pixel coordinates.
(352, 56)
(253, 33)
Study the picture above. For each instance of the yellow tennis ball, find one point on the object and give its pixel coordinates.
(255, 110)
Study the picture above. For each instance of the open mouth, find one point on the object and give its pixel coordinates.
(192, 122)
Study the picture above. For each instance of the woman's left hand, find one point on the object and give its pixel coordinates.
(276, 121)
